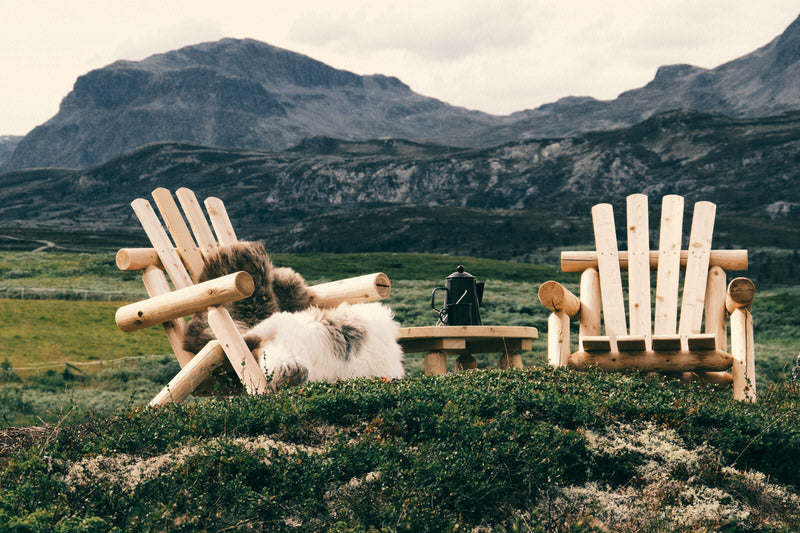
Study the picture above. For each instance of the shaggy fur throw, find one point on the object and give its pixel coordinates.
(276, 290)
(350, 341)
(292, 340)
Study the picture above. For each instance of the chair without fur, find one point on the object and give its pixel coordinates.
(664, 344)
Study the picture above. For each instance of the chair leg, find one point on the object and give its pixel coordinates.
(743, 351)
(243, 362)
(558, 339)
(192, 375)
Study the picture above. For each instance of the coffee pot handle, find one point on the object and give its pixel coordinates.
(433, 298)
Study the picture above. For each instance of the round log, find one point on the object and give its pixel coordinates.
(662, 361)
(367, 288)
(184, 302)
(577, 261)
(556, 297)
(590, 324)
(137, 259)
(741, 292)
(191, 376)
(557, 339)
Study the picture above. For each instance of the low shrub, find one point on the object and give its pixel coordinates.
(479, 448)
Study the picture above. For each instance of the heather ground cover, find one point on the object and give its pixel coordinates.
(532, 450)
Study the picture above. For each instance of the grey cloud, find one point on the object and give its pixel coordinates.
(438, 34)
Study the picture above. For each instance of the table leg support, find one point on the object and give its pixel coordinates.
(510, 360)
(435, 364)
(466, 362)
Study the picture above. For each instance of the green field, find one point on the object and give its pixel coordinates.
(35, 332)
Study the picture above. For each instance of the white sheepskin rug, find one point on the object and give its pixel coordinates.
(350, 341)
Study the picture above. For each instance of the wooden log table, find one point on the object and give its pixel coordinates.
(441, 341)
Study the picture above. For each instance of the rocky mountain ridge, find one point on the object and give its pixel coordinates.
(8, 143)
(232, 93)
(302, 199)
(248, 94)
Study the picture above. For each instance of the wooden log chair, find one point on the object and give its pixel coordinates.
(665, 344)
(183, 261)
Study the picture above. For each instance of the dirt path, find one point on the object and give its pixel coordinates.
(46, 244)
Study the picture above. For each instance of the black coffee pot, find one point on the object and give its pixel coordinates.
(462, 301)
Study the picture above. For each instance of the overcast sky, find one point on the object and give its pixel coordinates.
(497, 56)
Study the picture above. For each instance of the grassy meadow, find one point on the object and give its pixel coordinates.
(39, 335)
(532, 450)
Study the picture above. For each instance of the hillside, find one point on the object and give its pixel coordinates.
(393, 195)
(248, 94)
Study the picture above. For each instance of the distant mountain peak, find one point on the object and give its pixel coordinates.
(670, 72)
(233, 93)
(787, 44)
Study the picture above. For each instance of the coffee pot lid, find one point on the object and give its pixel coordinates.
(459, 273)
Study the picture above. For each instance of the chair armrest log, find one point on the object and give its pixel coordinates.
(565, 307)
(360, 289)
(184, 302)
(741, 292)
(137, 259)
(556, 297)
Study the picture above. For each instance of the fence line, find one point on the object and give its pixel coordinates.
(82, 367)
(48, 293)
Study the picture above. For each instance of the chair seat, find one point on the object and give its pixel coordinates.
(626, 343)
(666, 343)
(705, 341)
(661, 343)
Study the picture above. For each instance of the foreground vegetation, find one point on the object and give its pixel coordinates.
(538, 450)
(541, 449)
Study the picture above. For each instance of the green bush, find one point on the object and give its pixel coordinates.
(478, 448)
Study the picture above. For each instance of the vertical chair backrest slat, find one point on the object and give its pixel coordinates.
(197, 221)
(158, 237)
(220, 221)
(694, 284)
(639, 266)
(669, 265)
(610, 279)
(181, 236)
(716, 290)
